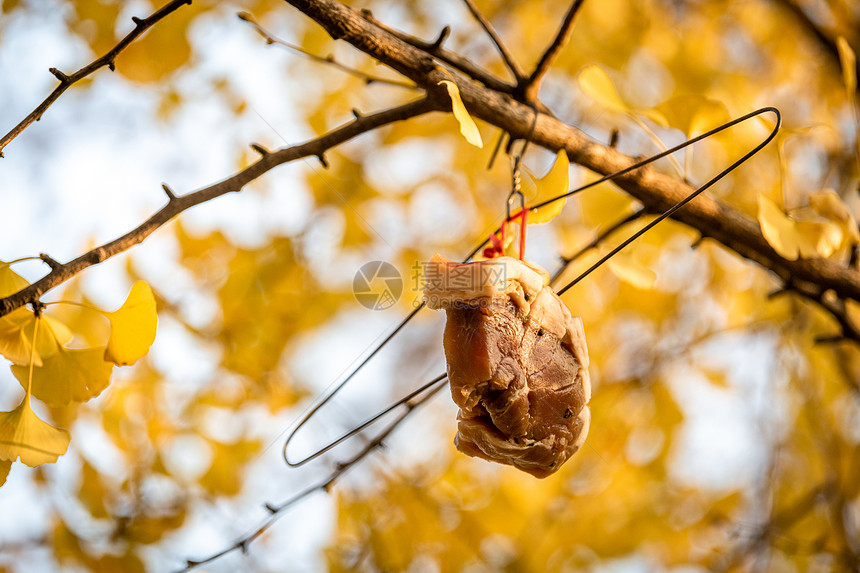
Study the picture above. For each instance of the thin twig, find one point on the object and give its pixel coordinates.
(453, 59)
(278, 511)
(315, 147)
(330, 59)
(532, 85)
(510, 62)
(141, 25)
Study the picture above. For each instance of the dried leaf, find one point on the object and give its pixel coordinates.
(467, 124)
(133, 326)
(23, 435)
(556, 182)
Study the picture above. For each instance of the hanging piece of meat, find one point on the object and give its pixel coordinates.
(517, 362)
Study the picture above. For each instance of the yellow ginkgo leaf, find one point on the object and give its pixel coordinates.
(224, 476)
(556, 182)
(694, 114)
(23, 435)
(10, 281)
(70, 375)
(61, 333)
(830, 206)
(792, 239)
(818, 238)
(598, 86)
(132, 327)
(5, 466)
(467, 124)
(16, 334)
(14, 341)
(848, 62)
(627, 268)
(778, 229)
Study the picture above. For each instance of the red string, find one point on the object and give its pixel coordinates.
(497, 248)
(523, 216)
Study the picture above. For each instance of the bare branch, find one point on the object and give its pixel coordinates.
(531, 86)
(277, 511)
(330, 59)
(141, 25)
(177, 204)
(510, 62)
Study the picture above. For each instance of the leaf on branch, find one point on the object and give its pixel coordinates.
(830, 206)
(14, 343)
(10, 281)
(133, 326)
(70, 375)
(467, 124)
(628, 269)
(23, 435)
(556, 182)
(792, 239)
(16, 332)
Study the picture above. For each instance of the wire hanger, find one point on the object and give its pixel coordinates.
(523, 210)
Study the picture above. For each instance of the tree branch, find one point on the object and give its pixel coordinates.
(510, 62)
(531, 86)
(436, 50)
(176, 204)
(655, 190)
(277, 511)
(826, 40)
(141, 25)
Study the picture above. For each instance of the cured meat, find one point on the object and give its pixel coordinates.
(517, 362)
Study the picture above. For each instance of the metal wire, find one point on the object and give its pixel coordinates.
(668, 213)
